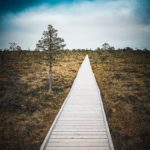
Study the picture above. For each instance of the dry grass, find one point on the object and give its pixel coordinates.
(26, 108)
(124, 81)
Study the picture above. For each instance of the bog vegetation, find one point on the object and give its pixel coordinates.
(27, 109)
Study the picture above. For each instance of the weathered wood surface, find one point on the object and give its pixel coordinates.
(81, 122)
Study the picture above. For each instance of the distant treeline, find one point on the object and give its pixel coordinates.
(97, 49)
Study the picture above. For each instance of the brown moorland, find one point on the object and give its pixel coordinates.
(27, 110)
(124, 80)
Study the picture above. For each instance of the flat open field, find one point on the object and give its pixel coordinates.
(27, 109)
(124, 80)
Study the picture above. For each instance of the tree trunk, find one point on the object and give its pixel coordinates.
(50, 82)
(50, 76)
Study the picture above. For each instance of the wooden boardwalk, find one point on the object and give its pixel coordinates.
(81, 122)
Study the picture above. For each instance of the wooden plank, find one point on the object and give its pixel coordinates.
(81, 109)
(78, 143)
(77, 148)
(88, 116)
(74, 136)
(79, 129)
(80, 133)
(83, 121)
(83, 106)
(80, 119)
(79, 126)
(79, 102)
(83, 98)
(78, 140)
(81, 112)
(68, 123)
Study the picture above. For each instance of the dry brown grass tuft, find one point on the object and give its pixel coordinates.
(26, 108)
(124, 81)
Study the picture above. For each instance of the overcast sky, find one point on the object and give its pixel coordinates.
(82, 23)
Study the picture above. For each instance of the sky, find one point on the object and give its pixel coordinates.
(81, 23)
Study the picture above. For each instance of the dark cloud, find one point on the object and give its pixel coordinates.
(141, 7)
(142, 10)
(15, 6)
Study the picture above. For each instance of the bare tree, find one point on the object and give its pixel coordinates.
(50, 42)
(14, 47)
(105, 46)
(18, 48)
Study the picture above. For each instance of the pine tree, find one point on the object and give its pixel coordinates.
(50, 42)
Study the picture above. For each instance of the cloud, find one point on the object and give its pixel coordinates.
(21, 5)
(142, 10)
(86, 24)
(141, 7)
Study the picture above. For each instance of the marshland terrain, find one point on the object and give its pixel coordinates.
(27, 110)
